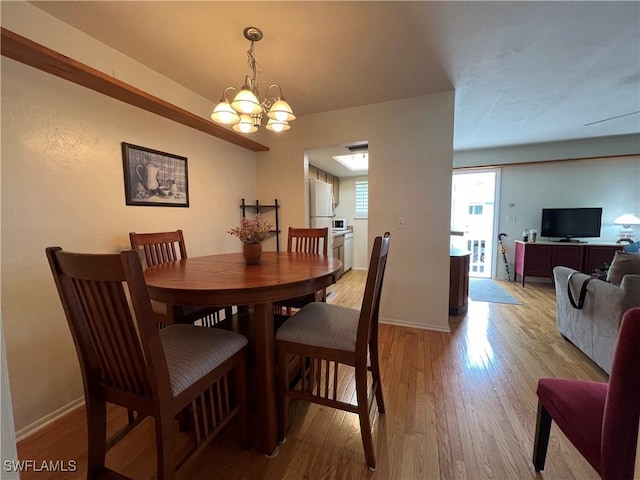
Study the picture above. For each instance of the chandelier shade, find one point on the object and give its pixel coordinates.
(277, 126)
(223, 113)
(245, 125)
(281, 111)
(244, 113)
(246, 102)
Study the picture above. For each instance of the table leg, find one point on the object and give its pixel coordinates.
(265, 377)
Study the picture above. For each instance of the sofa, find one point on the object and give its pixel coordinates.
(594, 327)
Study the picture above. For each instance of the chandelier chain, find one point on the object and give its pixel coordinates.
(253, 65)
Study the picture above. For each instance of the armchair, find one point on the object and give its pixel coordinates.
(600, 419)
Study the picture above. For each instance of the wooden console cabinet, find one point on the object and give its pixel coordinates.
(458, 281)
(537, 259)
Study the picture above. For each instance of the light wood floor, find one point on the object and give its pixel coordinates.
(460, 405)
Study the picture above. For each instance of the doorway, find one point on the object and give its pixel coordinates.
(343, 166)
(474, 215)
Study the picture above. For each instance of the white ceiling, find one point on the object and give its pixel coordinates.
(524, 72)
(323, 158)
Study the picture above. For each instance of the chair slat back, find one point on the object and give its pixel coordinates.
(159, 247)
(369, 311)
(113, 354)
(308, 240)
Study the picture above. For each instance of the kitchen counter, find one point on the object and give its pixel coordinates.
(341, 233)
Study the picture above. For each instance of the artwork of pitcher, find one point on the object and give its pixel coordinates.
(149, 176)
(153, 178)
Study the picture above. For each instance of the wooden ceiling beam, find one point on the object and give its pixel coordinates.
(38, 56)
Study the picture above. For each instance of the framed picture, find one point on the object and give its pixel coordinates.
(153, 178)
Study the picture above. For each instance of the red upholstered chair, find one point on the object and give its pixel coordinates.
(600, 419)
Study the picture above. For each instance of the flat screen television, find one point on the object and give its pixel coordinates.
(566, 224)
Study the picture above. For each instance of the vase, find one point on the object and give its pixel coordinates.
(252, 252)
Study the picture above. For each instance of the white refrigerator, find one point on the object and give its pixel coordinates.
(321, 208)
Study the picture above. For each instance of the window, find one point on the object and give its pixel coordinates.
(361, 197)
(475, 209)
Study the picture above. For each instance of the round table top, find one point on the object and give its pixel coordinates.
(226, 279)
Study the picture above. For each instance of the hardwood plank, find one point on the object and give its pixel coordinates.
(460, 405)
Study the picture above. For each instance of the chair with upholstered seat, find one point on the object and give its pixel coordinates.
(163, 247)
(181, 369)
(304, 240)
(308, 240)
(600, 419)
(320, 337)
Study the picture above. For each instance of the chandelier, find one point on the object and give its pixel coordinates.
(245, 112)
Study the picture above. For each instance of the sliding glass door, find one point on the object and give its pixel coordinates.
(474, 218)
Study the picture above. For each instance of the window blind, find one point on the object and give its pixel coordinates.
(361, 200)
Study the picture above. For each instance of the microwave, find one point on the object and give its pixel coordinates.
(339, 223)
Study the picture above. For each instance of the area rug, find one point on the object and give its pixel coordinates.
(487, 290)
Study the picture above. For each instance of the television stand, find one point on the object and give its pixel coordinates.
(537, 259)
(569, 240)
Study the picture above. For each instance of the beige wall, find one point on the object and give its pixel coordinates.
(610, 183)
(62, 184)
(410, 156)
(8, 451)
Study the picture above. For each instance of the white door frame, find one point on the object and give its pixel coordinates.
(493, 263)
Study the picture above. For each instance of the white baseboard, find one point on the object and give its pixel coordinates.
(421, 326)
(48, 419)
(362, 269)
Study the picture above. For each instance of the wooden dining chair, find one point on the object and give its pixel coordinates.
(600, 419)
(181, 369)
(304, 240)
(163, 247)
(320, 337)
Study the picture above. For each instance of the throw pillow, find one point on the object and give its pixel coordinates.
(623, 264)
(632, 247)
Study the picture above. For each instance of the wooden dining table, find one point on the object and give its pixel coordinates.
(225, 279)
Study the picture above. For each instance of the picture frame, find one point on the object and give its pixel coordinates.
(153, 178)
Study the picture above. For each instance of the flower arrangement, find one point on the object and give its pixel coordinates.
(252, 230)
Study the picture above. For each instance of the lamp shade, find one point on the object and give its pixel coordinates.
(246, 102)
(276, 126)
(223, 113)
(281, 111)
(245, 125)
(627, 219)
